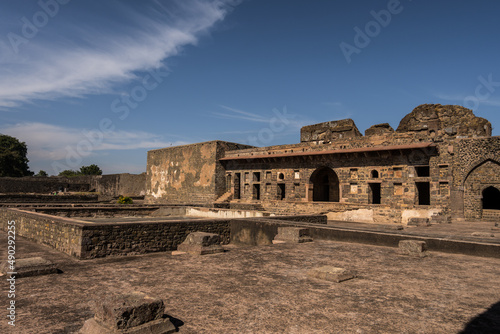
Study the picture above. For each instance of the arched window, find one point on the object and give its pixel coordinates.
(325, 185)
(374, 174)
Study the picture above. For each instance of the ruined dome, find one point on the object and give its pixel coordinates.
(445, 120)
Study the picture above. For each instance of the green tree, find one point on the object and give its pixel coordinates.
(69, 173)
(90, 170)
(13, 160)
(42, 173)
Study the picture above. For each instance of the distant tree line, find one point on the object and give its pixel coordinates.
(14, 163)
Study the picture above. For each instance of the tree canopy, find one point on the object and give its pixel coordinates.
(84, 170)
(13, 160)
(90, 170)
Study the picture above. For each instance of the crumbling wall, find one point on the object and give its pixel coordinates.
(329, 131)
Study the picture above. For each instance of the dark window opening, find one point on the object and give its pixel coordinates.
(374, 174)
(228, 182)
(281, 176)
(237, 185)
(491, 198)
(256, 177)
(256, 192)
(281, 191)
(422, 171)
(424, 193)
(375, 193)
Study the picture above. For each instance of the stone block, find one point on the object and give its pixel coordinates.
(33, 266)
(419, 222)
(440, 219)
(159, 326)
(413, 247)
(201, 243)
(332, 274)
(483, 234)
(127, 311)
(292, 234)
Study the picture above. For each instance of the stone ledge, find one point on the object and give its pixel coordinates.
(33, 266)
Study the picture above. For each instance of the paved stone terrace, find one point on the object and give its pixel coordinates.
(458, 230)
(266, 289)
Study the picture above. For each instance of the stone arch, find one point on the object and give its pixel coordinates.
(483, 175)
(478, 163)
(325, 185)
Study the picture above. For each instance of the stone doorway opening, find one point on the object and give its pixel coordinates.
(281, 191)
(325, 184)
(374, 189)
(491, 198)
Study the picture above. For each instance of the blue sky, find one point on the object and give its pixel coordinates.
(103, 82)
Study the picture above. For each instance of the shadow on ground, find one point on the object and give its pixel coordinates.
(485, 323)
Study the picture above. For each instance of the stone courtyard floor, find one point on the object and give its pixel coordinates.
(265, 289)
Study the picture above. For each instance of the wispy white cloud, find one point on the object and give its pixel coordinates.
(59, 67)
(52, 142)
(241, 115)
(462, 99)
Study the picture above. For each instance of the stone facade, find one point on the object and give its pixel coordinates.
(187, 174)
(439, 161)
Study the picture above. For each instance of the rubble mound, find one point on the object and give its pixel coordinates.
(379, 129)
(445, 120)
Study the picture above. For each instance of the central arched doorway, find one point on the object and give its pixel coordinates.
(491, 198)
(325, 184)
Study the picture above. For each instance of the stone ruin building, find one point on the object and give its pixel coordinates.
(440, 163)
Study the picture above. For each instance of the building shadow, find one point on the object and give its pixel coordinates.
(487, 322)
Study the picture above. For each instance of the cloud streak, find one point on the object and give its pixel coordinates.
(56, 66)
(48, 142)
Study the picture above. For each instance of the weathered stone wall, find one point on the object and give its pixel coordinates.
(187, 174)
(112, 185)
(132, 185)
(90, 240)
(43, 185)
(478, 167)
(329, 131)
(100, 240)
(38, 198)
(62, 234)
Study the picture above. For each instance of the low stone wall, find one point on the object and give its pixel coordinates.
(90, 240)
(62, 234)
(100, 240)
(261, 231)
(38, 198)
(224, 213)
(98, 211)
